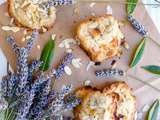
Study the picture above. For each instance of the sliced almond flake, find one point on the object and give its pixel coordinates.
(145, 108)
(67, 42)
(11, 21)
(87, 82)
(92, 4)
(8, 28)
(38, 47)
(76, 62)
(114, 65)
(126, 45)
(44, 29)
(23, 39)
(67, 70)
(53, 36)
(69, 50)
(91, 63)
(109, 10)
(93, 14)
(28, 37)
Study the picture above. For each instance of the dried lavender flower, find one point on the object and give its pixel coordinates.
(137, 26)
(109, 73)
(39, 108)
(50, 3)
(66, 61)
(22, 67)
(30, 42)
(13, 44)
(34, 66)
(24, 109)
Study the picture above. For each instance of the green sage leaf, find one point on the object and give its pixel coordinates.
(138, 54)
(153, 112)
(131, 6)
(47, 54)
(152, 69)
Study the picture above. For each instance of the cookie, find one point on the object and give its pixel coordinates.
(100, 37)
(29, 14)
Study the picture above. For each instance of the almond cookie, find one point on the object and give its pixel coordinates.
(100, 37)
(28, 13)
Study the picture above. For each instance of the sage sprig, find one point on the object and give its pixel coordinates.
(131, 6)
(153, 112)
(47, 54)
(152, 69)
(139, 52)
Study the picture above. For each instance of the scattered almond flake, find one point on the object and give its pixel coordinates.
(135, 116)
(67, 42)
(114, 65)
(53, 36)
(92, 4)
(76, 62)
(28, 37)
(25, 32)
(76, 11)
(6, 14)
(87, 82)
(67, 70)
(139, 116)
(11, 21)
(23, 39)
(69, 50)
(126, 45)
(145, 108)
(91, 63)
(39, 47)
(93, 14)
(8, 28)
(109, 10)
(44, 29)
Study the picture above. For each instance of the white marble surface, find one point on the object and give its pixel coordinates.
(152, 12)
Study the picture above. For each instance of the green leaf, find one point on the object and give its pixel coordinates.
(152, 69)
(153, 112)
(131, 6)
(47, 54)
(138, 54)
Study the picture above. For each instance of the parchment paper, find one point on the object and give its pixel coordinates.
(65, 27)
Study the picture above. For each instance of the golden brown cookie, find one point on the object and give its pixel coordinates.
(126, 105)
(100, 37)
(28, 13)
(114, 102)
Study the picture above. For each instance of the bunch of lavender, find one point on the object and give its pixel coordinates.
(50, 3)
(31, 96)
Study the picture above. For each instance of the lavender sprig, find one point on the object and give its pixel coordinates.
(30, 42)
(39, 108)
(50, 3)
(60, 70)
(137, 26)
(13, 44)
(109, 73)
(24, 110)
(34, 66)
(22, 67)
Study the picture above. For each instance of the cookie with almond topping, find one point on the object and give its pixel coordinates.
(115, 102)
(100, 37)
(29, 14)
